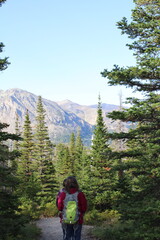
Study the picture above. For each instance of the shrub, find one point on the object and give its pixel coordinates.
(28, 232)
(117, 231)
(49, 210)
(30, 209)
(98, 218)
(92, 217)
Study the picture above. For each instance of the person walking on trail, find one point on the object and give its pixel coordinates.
(72, 205)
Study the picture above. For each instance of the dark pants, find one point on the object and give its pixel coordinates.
(71, 231)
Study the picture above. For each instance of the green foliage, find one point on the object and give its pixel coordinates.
(116, 231)
(102, 180)
(72, 153)
(3, 62)
(125, 181)
(28, 232)
(49, 210)
(144, 28)
(36, 170)
(125, 231)
(34, 210)
(73, 159)
(25, 165)
(62, 164)
(2, 1)
(10, 217)
(43, 155)
(94, 217)
(139, 202)
(29, 208)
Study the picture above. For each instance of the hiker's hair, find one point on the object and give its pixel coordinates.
(71, 182)
(64, 182)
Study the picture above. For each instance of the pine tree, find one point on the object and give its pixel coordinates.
(9, 218)
(2, 1)
(119, 144)
(27, 147)
(62, 166)
(72, 152)
(28, 186)
(100, 152)
(100, 141)
(17, 132)
(9, 212)
(3, 61)
(43, 154)
(78, 154)
(82, 165)
(140, 205)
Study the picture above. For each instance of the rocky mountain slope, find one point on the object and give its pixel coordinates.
(62, 118)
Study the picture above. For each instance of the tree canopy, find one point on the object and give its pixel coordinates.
(141, 159)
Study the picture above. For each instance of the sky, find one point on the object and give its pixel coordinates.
(58, 48)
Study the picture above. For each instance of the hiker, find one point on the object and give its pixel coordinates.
(72, 205)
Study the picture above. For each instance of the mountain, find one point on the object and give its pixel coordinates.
(60, 122)
(62, 118)
(89, 113)
(106, 107)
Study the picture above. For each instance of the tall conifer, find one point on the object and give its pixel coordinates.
(62, 165)
(27, 146)
(8, 184)
(78, 154)
(72, 152)
(100, 152)
(140, 205)
(28, 186)
(82, 165)
(43, 154)
(17, 131)
(9, 212)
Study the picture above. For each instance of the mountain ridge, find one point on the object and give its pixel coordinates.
(62, 117)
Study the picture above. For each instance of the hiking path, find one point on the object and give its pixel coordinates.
(51, 229)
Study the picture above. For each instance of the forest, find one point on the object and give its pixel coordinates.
(119, 172)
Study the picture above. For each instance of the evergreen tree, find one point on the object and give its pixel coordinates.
(82, 163)
(28, 186)
(100, 146)
(78, 154)
(43, 154)
(2, 1)
(17, 132)
(72, 152)
(9, 218)
(140, 205)
(100, 152)
(119, 144)
(62, 166)
(83, 166)
(3, 61)
(27, 146)
(9, 213)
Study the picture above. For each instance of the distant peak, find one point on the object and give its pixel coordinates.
(66, 101)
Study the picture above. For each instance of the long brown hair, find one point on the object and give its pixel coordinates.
(71, 182)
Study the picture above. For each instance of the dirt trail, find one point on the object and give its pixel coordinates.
(51, 229)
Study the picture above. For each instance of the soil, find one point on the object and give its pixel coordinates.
(51, 230)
